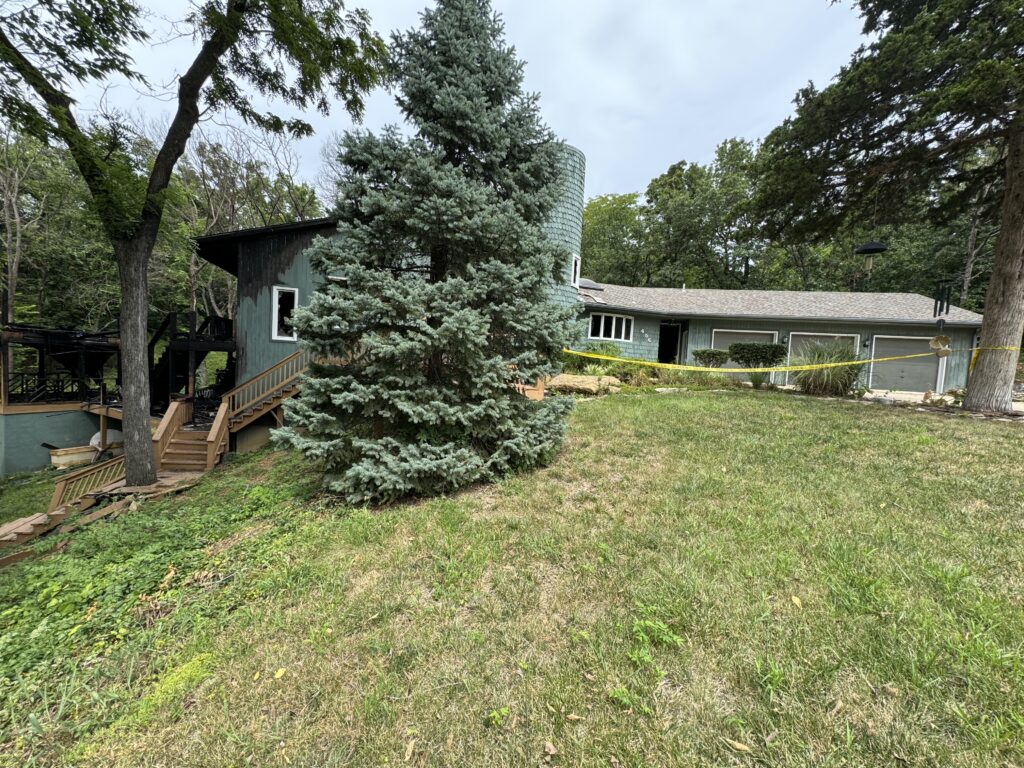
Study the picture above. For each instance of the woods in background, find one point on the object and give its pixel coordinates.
(704, 226)
(58, 260)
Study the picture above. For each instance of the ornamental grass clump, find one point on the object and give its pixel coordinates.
(833, 382)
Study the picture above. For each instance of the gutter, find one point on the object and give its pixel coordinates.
(779, 318)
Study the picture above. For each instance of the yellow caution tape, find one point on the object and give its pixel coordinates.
(778, 368)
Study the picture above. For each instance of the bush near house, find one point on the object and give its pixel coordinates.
(834, 382)
(577, 364)
(753, 355)
(711, 358)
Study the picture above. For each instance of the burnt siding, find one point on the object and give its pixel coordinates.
(263, 263)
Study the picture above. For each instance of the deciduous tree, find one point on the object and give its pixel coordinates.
(299, 53)
(932, 109)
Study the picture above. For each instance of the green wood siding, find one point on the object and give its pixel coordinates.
(22, 435)
(271, 260)
(263, 263)
(646, 329)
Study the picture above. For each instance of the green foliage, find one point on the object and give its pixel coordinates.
(497, 717)
(449, 274)
(576, 364)
(834, 382)
(757, 355)
(920, 106)
(616, 244)
(711, 358)
(695, 380)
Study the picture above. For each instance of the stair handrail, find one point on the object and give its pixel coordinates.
(161, 329)
(273, 379)
(179, 413)
(218, 435)
(74, 485)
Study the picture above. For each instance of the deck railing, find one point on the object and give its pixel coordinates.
(178, 414)
(73, 486)
(218, 435)
(250, 393)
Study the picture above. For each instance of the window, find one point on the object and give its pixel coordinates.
(611, 327)
(284, 300)
(575, 270)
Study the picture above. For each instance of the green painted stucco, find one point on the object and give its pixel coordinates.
(646, 333)
(21, 436)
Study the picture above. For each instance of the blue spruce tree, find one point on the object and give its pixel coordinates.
(438, 301)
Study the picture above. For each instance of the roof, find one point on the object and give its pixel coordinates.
(222, 249)
(895, 308)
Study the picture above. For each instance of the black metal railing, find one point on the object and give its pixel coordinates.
(47, 388)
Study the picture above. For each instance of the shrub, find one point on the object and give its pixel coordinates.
(711, 358)
(577, 364)
(668, 377)
(754, 355)
(834, 382)
(633, 374)
(595, 370)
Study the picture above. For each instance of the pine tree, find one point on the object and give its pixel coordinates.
(440, 278)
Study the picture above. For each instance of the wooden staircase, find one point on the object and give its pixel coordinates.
(265, 392)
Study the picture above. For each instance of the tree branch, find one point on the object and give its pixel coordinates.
(187, 115)
(58, 107)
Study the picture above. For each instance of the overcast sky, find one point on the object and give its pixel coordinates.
(636, 85)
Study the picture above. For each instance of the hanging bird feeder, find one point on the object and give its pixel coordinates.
(869, 251)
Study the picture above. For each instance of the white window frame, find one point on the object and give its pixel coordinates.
(789, 353)
(590, 324)
(775, 340)
(574, 278)
(940, 376)
(277, 291)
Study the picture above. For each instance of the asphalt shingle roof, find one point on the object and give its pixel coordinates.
(790, 305)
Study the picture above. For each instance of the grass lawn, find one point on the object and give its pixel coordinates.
(701, 579)
(25, 494)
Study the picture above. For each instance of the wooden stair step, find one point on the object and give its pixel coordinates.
(190, 435)
(187, 445)
(178, 463)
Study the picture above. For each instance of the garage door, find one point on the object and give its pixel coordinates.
(800, 343)
(916, 375)
(722, 340)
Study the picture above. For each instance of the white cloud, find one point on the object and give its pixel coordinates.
(637, 86)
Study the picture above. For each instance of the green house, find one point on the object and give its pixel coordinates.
(274, 274)
(668, 324)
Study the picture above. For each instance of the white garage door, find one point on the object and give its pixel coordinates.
(918, 374)
(800, 343)
(722, 340)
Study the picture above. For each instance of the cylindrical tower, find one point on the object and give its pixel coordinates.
(565, 226)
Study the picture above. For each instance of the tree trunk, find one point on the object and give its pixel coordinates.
(133, 262)
(972, 257)
(991, 385)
